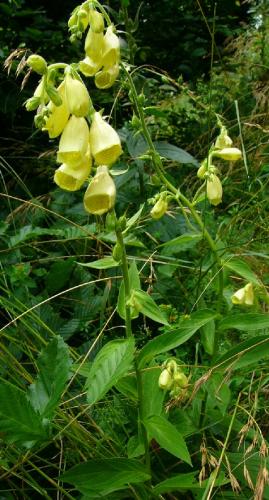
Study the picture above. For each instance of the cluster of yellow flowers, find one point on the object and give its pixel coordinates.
(222, 149)
(65, 110)
(173, 379)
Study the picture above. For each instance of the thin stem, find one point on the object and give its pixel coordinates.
(124, 264)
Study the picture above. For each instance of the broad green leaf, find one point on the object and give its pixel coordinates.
(54, 371)
(182, 243)
(105, 263)
(177, 482)
(105, 475)
(245, 353)
(127, 385)
(133, 219)
(110, 364)
(135, 447)
(152, 395)
(247, 322)
(208, 337)
(241, 267)
(134, 283)
(167, 436)
(176, 336)
(145, 304)
(19, 423)
(172, 152)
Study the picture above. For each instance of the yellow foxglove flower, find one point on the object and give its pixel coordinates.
(111, 48)
(96, 21)
(94, 45)
(223, 140)
(165, 380)
(58, 117)
(104, 141)
(71, 179)
(159, 209)
(89, 67)
(105, 78)
(101, 193)
(180, 379)
(77, 96)
(74, 142)
(214, 190)
(244, 296)
(230, 154)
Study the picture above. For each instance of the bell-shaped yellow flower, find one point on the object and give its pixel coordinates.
(244, 296)
(94, 45)
(214, 190)
(58, 117)
(159, 209)
(101, 193)
(111, 48)
(223, 140)
(89, 67)
(96, 21)
(74, 142)
(165, 381)
(104, 141)
(105, 78)
(77, 96)
(71, 179)
(230, 154)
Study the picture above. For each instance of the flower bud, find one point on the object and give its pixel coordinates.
(37, 63)
(117, 252)
(202, 170)
(96, 21)
(165, 380)
(172, 366)
(89, 67)
(74, 142)
(77, 96)
(159, 209)
(83, 18)
(105, 78)
(244, 296)
(111, 48)
(54, 95)
(223, 140)
(94, 46)
(230, 154)
(101, 193)
(72, 20)
(214, 190)
(32, 103)
(71, 179)
(58, 116)
(180, 379)
(104, 141)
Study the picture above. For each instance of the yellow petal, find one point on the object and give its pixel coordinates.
(58, 117)
(96, 21)
(159, 209)
(94, 45)
(89, 67)
(74, 142)
(231, 154)
(104, 141)
(77, 96)
(111, 48)
(214, 190)
(105, 78)
(101, 193)
(71, 179)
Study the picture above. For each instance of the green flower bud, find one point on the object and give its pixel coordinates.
(202, 170)
(96, 21)
(180, 380)
(223, 140)
(32, 103)
(54, 95)
(117, 252)
(37, 63)
(159, 209)
(165, 380)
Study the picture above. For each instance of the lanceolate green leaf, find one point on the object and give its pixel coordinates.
(245, 353)
(106, 475)
(167, 436)
(105, 263)
(146, 305)
(176, 336)
(19, 423)
(241, 267)
(245, 321)
(110, 364)
(54, 371)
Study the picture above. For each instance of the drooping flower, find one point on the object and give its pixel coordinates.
(230, 154)
(104, 141)
(58, 115)
(96, 21)
(223, 140)
(77, 96)
(105, 78)
(74, 142)
(111, 48)
(165, 380)
(94, 45)
(89, 67)
(244, 296)
(100, 195)
(214, 190)
(159, 208)
(71, 179)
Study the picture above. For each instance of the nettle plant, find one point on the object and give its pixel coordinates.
(172, 404)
